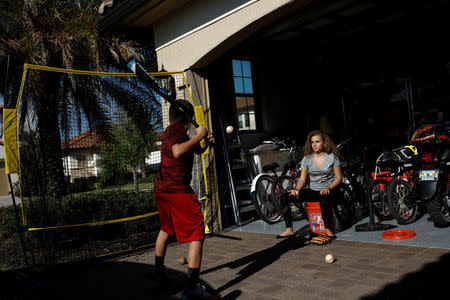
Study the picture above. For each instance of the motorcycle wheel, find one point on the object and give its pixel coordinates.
(398, 192)
(284, 184)
(438, 208)
(266, 205)
(378, 194)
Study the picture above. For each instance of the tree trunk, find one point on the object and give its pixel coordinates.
(143, 172)
(135, 179)
(49, 135)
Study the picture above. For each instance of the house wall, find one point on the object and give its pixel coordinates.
(76, 169)
(4, 184)
(201, 26)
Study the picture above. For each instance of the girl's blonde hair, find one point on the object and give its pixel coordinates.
(328, 144)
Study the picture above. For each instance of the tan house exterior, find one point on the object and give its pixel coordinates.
(4, 184)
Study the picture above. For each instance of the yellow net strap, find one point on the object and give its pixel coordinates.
(96, 223)
(83, 72)
(10, 141)
(125, 250)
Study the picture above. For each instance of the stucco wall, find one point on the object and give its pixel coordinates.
(183, 53)
(4, 184)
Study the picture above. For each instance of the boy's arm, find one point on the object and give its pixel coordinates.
(203, 145)
(179, 149)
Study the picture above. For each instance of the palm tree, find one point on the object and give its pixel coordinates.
(64, 34)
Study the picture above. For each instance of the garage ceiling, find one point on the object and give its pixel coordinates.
(328, 21)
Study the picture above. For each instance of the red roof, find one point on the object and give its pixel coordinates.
(86, 140)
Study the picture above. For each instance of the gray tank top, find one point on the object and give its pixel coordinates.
(323, 177)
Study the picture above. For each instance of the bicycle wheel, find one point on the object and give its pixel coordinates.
(284, 184)
(406, 211)
(344, 207)
(266, 205)
(378, 194)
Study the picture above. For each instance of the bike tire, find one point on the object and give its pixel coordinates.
(398, 191)
(380, 205)
(438, 210)
(343, 206)
(265, 203)
(284, 184)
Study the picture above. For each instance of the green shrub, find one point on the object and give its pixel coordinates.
(78, 209)
(150, 178)
(88, 207)
(81, 185)
(57, 245)
(8, 225)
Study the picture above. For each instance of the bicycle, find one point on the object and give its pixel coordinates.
(385, 172)
(268, 187)
(391, 185)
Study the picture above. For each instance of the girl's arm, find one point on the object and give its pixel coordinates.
(337, 181)
(300, 183)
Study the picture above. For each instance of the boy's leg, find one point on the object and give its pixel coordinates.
(158, 274)
(194, 262)
(160, 249)
(193, 289)
(195, 254)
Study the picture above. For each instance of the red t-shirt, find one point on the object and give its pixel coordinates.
(175, 174)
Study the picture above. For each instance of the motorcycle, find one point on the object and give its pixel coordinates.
(433, 177)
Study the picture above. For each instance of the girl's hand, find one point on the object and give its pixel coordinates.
(293, 193)
(325, 191)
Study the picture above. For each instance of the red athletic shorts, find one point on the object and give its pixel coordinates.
(181, 215)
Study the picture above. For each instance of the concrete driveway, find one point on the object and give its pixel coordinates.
(7, 201)
(426, 234)
(244, 265)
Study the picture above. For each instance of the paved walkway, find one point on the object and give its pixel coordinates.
(243, 265)
(7, 201)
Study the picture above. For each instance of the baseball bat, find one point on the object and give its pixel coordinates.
(152, 84)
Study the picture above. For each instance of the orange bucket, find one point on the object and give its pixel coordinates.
(315, 218)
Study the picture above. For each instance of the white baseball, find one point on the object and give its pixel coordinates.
(229, 129)
(329, 258)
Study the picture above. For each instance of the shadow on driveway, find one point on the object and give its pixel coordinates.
(92, 280)
(261, 259)
(431, 282)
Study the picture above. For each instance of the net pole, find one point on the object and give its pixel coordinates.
(19, 228)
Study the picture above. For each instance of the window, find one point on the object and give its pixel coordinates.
(81, 161)
(243, 94)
